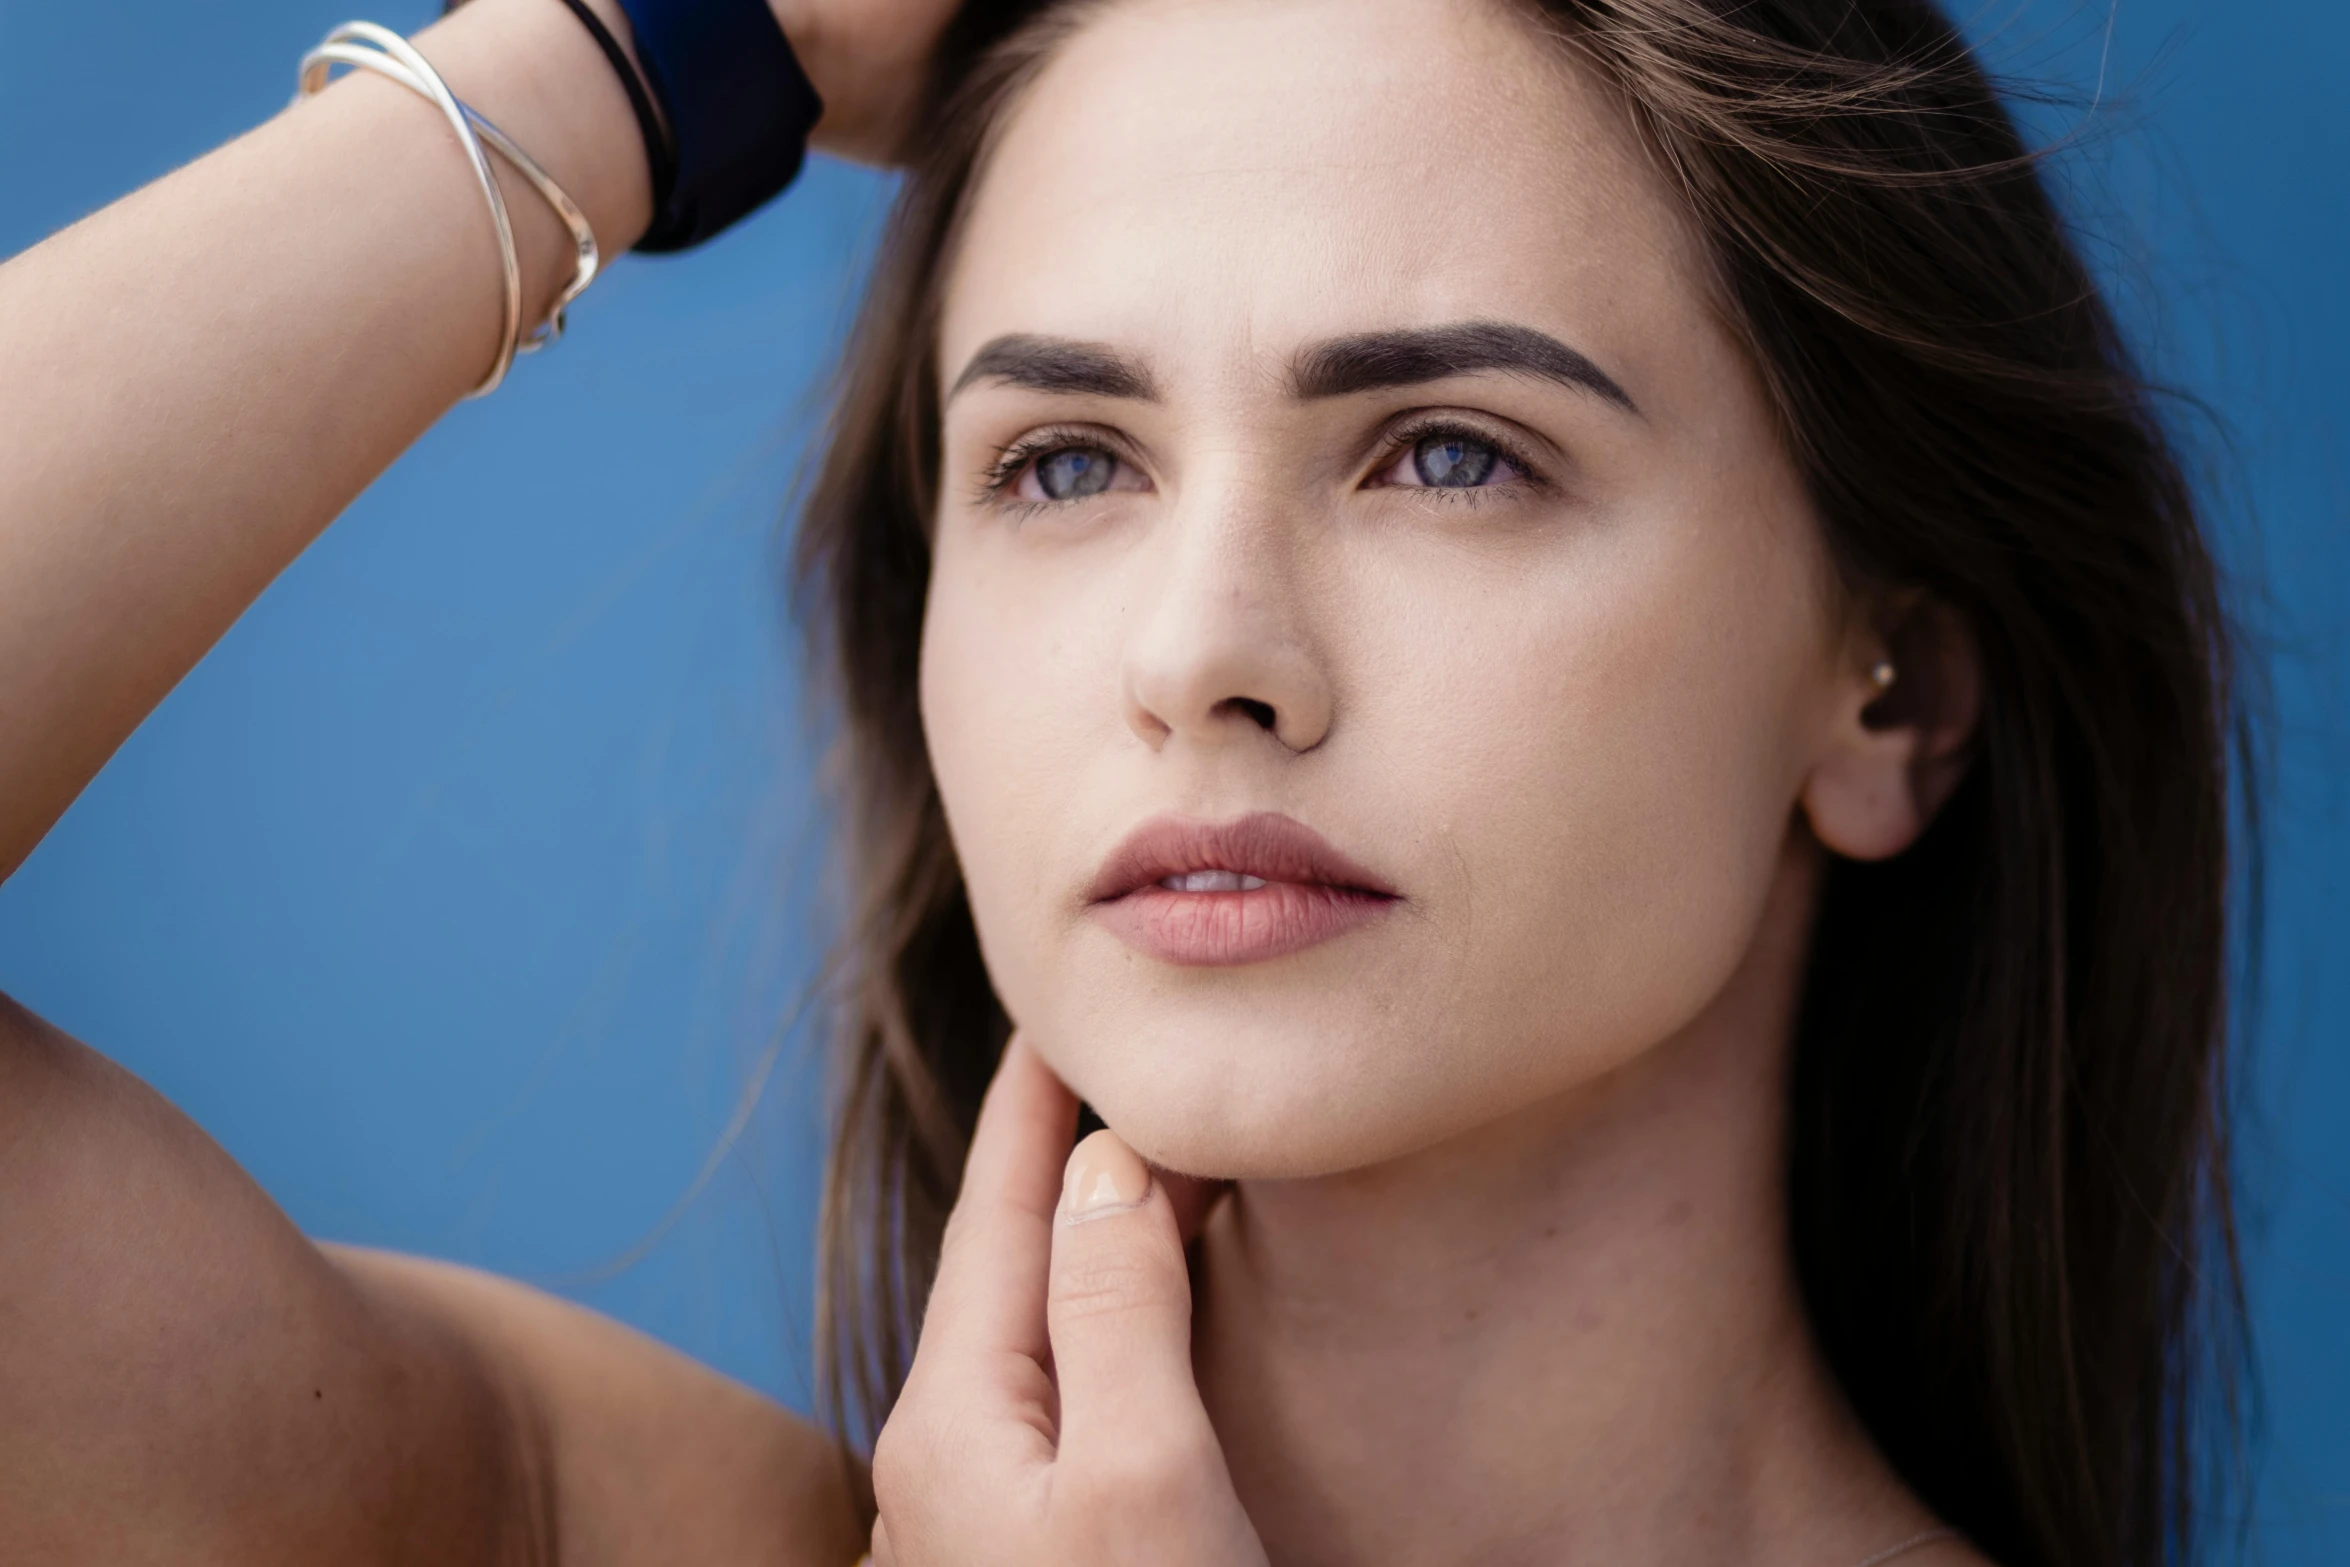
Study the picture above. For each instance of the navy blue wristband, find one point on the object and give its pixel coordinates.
(739, 110)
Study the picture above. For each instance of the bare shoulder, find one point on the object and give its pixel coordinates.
(185, 1377)
(652, 1456)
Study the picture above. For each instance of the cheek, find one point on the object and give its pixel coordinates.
(1013, 725)
(1634, 739)
(962, 689)
(1591, 763)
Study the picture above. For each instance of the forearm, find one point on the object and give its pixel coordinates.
(196, 380)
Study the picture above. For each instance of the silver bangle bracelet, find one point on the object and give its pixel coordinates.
(365, 46)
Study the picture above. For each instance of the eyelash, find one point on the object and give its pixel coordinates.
(1013, 460)
(1400, 441)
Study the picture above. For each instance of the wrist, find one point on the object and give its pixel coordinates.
(533, 70)
(739, 105)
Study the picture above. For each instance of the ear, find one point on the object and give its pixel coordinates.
(1902, 731)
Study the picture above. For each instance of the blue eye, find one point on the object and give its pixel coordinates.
(1074, 472)
(1448, 461)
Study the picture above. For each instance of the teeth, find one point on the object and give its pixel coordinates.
(1212, 881)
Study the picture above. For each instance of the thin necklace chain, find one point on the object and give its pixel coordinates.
(1907, 1546)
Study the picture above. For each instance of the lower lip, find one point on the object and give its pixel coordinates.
(1221, 929)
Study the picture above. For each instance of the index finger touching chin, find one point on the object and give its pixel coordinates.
(990, 1289)
(1026, 1125)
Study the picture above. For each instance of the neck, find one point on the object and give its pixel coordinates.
(1573, 1335)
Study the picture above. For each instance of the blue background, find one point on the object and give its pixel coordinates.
(467, 889)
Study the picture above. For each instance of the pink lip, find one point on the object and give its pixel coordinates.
(1312, 893)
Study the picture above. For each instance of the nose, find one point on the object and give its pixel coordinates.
(1220, 649)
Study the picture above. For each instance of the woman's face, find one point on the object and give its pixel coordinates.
(1337, 429)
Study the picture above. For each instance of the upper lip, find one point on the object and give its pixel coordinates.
(1265, 844)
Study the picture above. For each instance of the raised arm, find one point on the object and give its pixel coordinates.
(195, 381)
(185, 1378)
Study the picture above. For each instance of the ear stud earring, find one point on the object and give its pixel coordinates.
(1884, 674)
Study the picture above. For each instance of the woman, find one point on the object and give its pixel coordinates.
(1553, 643)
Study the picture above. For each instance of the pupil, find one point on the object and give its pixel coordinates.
(1453, 462)
(1074, 472)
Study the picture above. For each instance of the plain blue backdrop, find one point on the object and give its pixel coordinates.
(465, 890)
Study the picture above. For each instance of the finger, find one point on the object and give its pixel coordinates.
(880, 1555)
(1119, 1308)
(990, 1292)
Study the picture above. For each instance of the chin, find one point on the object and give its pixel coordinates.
(1232, 1083)
(1370, 1048)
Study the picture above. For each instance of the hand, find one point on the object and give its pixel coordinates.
(1051, 1417)
(868, 60)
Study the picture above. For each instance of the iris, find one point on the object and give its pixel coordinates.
(1453, 462)
(1074, 472)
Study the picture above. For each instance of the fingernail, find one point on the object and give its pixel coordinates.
(1104, 1175)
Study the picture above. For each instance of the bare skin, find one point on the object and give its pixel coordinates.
(203, 375)
(1502, 1276)
(186, 1378)
(189, 1379)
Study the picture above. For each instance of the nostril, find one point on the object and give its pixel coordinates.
(1259, 713)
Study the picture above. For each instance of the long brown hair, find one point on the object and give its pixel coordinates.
(2009, 1153)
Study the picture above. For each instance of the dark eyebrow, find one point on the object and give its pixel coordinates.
(1371, 361)
(1057, 364)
